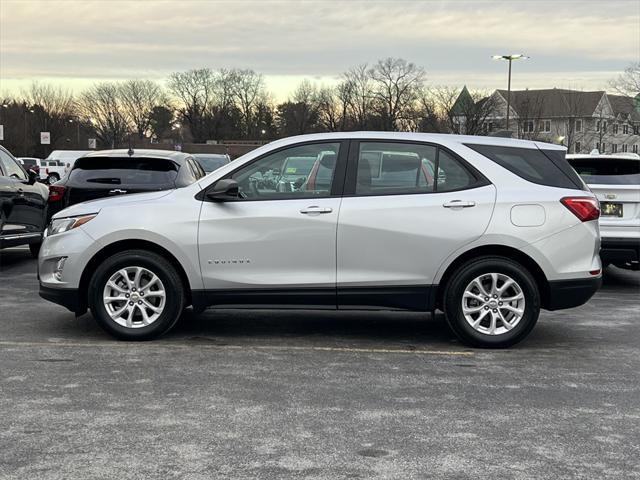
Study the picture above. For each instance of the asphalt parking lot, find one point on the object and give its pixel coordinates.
(256, 394)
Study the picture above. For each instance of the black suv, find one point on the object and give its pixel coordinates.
(109, 173)
(23, 205)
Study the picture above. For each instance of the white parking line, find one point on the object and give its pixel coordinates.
(242, 347)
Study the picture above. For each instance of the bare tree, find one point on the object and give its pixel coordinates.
(248, 91)
(103, 106)
(195, 89)
(329, 114)
(299, 115)
(52, 106)
(357, 90)
(628, 83)
(139, 98)
(397, 84)
(438, 103)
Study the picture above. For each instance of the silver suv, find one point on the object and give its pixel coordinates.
(489, 230)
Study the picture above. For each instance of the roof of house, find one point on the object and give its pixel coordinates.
(624, 105)
(553, 102)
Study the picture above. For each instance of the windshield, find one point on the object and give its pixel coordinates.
(298, 166)
(608, 171)
(124, 171)
(209, 164)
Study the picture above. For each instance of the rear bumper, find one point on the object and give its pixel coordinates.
(67, 297)
(614, 250)
(571, 293)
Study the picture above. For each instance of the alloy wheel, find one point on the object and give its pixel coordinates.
(134, 297)
(493, 303)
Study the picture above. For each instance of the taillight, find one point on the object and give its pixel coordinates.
(585, 208)
(56, 192)
(46, 170)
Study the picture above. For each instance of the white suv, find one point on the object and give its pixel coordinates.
(615, 180)
(489, 230)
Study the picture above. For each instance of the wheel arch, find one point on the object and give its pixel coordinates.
(120, 246)
(505, 251)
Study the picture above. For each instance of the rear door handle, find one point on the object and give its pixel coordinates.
(459, 204)
(315, 210)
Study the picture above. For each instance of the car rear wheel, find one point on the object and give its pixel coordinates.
(136, 295)
(491, 302)
(53, 178)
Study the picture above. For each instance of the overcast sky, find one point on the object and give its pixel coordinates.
(578, 44)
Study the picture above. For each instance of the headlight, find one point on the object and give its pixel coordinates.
(60, 225)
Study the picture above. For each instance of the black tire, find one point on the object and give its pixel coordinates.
(34, 248)
(166, 272)
(453, 297)
(53, 178)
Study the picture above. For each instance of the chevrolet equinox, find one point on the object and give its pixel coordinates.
(488, 230)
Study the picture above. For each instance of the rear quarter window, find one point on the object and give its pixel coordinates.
(124, 171)
(534, 165)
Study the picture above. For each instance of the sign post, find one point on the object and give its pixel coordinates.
(1, 132)
(45, 138)
(92, 143)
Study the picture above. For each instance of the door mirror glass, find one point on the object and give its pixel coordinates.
(224, 191)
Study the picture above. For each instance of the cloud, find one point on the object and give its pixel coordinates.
(122, 39)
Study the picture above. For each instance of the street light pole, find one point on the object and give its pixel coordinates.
(510, 58)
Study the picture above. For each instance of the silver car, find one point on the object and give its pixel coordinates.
(488, 230)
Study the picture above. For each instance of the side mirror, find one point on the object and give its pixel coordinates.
(33, 177)
(224, 191)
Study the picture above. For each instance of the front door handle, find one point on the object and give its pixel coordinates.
(458, 204)
(315, 210)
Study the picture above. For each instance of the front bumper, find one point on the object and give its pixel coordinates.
(615, 250)
(67, 297)
(571, 293)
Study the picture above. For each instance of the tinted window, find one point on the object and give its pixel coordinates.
(608, 171)
(528, 163)
(393, 168)
(10, 167)
(29, 162)
(303, 171)
(124, 171)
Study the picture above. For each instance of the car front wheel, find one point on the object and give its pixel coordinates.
(491, 302)
(136, 295)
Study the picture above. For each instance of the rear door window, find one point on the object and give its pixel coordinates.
(532, 164)
(608, 171)
(124, 171)
(388, 168)
(395, 168)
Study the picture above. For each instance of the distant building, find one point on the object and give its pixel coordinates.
(582, 121)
